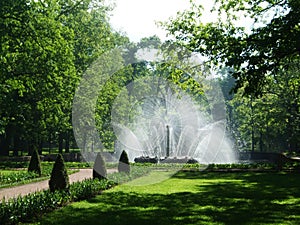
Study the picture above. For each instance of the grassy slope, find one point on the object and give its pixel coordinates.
(191, 198)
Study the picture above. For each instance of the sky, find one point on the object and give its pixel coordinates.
(137, 17)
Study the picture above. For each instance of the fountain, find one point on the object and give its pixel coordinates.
(168, 141)
(165, 122)
(152, 117)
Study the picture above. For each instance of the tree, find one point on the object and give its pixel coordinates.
(35, 163)
(59, 179)
(269, 122)
(37, 71)
(272, 41)
(93, 36)
(46, 46)
(99, 169)
(122, 83)
(123, 165)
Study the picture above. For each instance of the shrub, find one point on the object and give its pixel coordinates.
(147, 159)
(99, 169)
(26, 208)
(59, 179)
(35, 163)
(124, 163)
(7, 179)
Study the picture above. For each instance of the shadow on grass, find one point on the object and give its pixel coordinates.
(255, 199)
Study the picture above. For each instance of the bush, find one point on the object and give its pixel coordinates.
(99, 169)
(35, 163)
(59, 179)
(147, 159)
(7, 179)
(124, 163)
(26, 208)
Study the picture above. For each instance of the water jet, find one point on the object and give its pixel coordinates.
(168, 123)
(168, 142)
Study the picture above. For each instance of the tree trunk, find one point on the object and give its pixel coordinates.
(261, 144)
(60, 143)
(31, 148)
(67, 142)
(16, 144)
(4, 146)
(40, 149)
(252, 126)
(49, 143)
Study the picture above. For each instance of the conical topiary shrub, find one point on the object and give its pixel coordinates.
(124, 163)
(59, 179)
(35, 163)
(99, 169)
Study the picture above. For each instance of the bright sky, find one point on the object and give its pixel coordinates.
(137, 17)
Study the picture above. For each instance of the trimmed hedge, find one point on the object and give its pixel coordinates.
(29, 207)
(59, 179)
(99, 169)
(124, 166)
(35, 163)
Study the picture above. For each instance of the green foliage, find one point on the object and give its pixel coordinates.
(45, 48)
(77, 165)
(135, 172)
(99, 169)
(9, 178)
(124, 165)
(242, 166)
(191, 198)
(25, 208)
(269, 122)
(59, 179)
(7, 164)
(35, 163)
(274, 37)
(46, 166)
(39, 70)
(32, 206)
(13, 177)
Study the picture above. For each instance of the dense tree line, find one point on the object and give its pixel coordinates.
(262, 66)
(269, 122)
(139, 77)
(45, 48)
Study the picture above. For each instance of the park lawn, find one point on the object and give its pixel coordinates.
(9, 178)
(14, 177)
(190, 198)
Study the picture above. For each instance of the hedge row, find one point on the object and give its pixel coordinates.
(16, 177)
(24, 209)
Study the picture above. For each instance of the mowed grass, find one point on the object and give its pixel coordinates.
(191, 198)
(14, 174)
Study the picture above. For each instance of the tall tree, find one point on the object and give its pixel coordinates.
(263, 59)
(271, 121)
(37, 70)
(253, 55)
(46, 46)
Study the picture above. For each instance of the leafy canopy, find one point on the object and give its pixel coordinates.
(273, 39)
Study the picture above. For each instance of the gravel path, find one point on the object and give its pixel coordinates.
(22, 190)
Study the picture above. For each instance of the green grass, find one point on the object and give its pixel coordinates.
(10, 176)
(45, 151)
(17, 165)
(191, 198)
